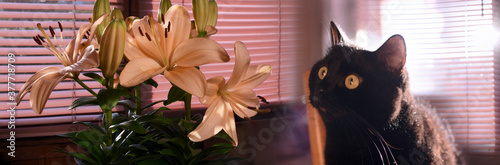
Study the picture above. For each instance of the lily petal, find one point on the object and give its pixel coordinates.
(89, 60)
(95, 25)
(131, 50)
(243, 112)
(189, 79)
(229, 125)
(211, 123)
(141, 30)
(247, 97)
(242, 61)
(69, 52)
(255, 75)
(180, 27)
(29, 84)
(138, 71)
(77, 44)
(42, 88)
(213, 86)
(199, 51)
(81, 32)
(211, 30)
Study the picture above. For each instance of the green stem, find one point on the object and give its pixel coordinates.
(138, 106)
(85, 86)
(110, 83)
(187, 106)
(108, 119)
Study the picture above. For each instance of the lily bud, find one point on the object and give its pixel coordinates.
(162, 9)
(212, 13)
(116, 13)
(200, 13)
(101, 7)
(112, 47)
(129, 20)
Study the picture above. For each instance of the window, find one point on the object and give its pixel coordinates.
(18, 24)
(264, 26)
(450, 59)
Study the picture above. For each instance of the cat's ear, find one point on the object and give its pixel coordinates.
(393, 53)
(335, 35)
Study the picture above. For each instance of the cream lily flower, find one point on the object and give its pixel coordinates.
(165, 47)
(74, 57)
(234, 96)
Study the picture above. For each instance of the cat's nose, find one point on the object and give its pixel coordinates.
(321, 91)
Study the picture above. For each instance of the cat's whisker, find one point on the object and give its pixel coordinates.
(375, 133)
(379, 153)
(362, 133)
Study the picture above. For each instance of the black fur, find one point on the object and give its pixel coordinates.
(378, 122)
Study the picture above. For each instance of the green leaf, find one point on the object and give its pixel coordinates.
(145, 118)
(108, 98)
(138, 146)
(223, 135)
(154, 103)
(174, 94)
(163, 109)
(89, 135)
(151, 82)
(132, 125)
(91, 126)
(125, 93)
(152, 162)
(197, 117)
(83, 101)
(127, 103)
(215, 150)
(188, 125)
(117, 118)
(79, 156)
(67, 134)
(168, 152)
(84, 144)
(147, 157)
(96, 77)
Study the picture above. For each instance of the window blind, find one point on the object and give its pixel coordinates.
(18, 24)
(268, 28)
(450, 60)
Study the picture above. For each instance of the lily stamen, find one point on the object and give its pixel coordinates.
(168, 26)
(60, 26)
(48, 39)
(40, 38)
(52, 31)
(37, 40)
(267, 110)
(140, 31)
(147, 35)
(263, 99)
(166, 32)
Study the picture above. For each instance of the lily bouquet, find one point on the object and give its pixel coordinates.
(129, 52)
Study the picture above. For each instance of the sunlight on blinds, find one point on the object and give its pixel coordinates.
(450, 62)
(18, 25)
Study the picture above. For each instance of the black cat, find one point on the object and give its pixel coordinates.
(370, 115)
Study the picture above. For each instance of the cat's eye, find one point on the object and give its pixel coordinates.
(322, 72)
(352, 81)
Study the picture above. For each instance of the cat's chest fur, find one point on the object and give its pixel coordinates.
(370, 115)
